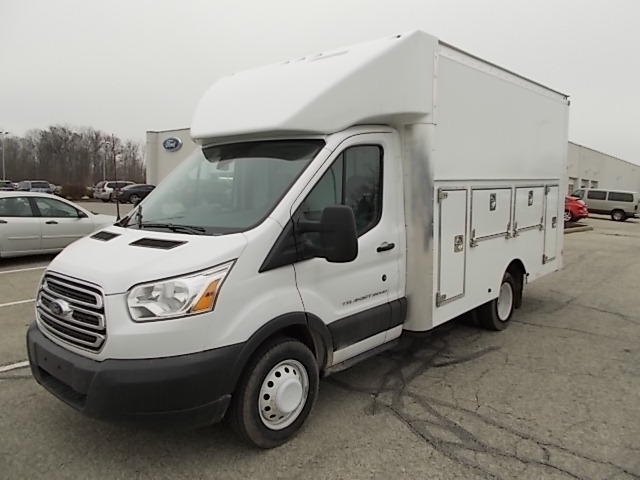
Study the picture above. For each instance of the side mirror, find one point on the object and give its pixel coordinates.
(338, 236)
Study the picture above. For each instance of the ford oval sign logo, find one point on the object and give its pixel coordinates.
(172, 144)
(60, 308)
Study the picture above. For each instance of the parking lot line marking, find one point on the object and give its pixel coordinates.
(21, 270)
(19, 302)
(14, 366)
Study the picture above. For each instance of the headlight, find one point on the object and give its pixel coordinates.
(177, 297)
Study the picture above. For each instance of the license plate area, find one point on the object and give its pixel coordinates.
(54, 366)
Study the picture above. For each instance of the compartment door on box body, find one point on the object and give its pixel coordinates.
(490, 214)
(452, 250)
(551, 223)
(529, 211)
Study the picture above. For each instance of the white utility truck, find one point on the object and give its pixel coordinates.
(335, 201)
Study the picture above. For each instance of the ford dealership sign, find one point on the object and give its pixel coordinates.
(172, 144)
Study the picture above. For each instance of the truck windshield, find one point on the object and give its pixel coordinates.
(225, 188)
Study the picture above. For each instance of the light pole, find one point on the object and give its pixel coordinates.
(3, 172)
(111, 146)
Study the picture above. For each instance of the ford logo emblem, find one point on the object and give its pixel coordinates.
(172, 144)
(60, 308)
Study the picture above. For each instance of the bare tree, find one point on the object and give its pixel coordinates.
(68, 156)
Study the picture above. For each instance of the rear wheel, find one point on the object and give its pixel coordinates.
(275, 394)
(105, 200)
(618, 216)
(495, 315)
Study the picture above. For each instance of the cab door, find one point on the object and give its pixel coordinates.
(360, 301)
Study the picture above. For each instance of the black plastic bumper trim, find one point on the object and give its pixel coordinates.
(185, 391)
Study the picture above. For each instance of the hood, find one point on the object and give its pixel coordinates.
(117, 258)
(102, 221)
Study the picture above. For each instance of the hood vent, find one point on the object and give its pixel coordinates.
(157, 243)
(105, 236)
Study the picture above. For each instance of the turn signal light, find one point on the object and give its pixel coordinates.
(208, 298)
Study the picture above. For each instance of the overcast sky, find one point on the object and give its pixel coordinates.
(128, 66)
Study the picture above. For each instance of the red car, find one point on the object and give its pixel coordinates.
(574, 209)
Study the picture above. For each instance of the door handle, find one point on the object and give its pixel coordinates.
(3, 221)
(385, 246)
(51, 222)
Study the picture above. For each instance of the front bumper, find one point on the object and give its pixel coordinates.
(185, 391)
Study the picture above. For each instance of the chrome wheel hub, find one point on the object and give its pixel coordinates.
(505, 302)
(283, 394)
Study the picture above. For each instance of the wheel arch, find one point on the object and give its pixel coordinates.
(518, 271)
(618, 209)
(306, 328)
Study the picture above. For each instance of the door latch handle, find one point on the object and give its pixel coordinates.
(52, 222)
(385, 246)
(3, 221)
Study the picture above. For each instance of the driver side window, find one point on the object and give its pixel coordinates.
(355, 180)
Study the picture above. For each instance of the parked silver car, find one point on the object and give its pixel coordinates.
(35, 186)
(32, 223)
(107, 190)
(7, 186)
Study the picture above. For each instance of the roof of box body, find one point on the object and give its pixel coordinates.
(370, 82)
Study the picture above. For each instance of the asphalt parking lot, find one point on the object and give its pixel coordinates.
(556, 395)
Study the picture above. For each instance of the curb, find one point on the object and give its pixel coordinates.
(585, 228)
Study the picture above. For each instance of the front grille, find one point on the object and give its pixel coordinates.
(72, 291)
(72, 311)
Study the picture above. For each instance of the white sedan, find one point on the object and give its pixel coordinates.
(32, 223)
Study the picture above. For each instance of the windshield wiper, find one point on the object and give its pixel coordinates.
(174, 228)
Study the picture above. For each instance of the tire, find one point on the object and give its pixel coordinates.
(496, 314)
(618, 216)
(134, 198)
(105, 200)
(567, 216)
(275, 394)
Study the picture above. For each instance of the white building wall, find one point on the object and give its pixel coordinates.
(159, 161)
(590, 168)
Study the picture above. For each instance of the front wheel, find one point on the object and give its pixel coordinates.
(495, 315)
(567, 216)
(275, 394)
(618, 216)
